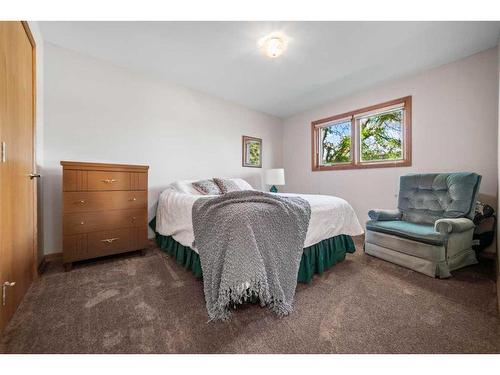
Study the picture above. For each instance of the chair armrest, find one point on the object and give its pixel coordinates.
(384, 215)
(446, 226)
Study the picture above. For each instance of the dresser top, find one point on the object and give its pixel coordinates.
(103, 166)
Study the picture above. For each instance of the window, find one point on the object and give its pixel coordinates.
(373, 137)
(335, 145)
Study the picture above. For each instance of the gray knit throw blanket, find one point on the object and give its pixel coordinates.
(250, 245)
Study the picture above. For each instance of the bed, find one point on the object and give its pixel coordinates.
(332, 223)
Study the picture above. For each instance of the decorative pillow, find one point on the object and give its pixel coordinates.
(207, 187)
(226, 185)
(185, 187)
(242, 184)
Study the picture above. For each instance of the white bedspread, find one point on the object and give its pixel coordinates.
(330, 216)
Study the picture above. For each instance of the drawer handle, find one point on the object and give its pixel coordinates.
(82, 222)
(108, 181)
(82, 202)
(110, 240)
(133, 199)
(133, 218)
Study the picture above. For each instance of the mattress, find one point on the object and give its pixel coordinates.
(330, 216)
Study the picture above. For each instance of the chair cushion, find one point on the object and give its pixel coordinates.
(397, 244)
(416, 232)
(424, 198)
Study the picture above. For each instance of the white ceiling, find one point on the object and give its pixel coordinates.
(324, 60)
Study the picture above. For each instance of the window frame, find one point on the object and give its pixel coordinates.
(337, 122)
(356, 162)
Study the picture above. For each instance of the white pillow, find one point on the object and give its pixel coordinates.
(242, 184)
(186, 187)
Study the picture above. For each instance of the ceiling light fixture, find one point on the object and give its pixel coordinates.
(274, 44)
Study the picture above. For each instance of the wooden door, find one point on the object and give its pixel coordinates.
(17, 189)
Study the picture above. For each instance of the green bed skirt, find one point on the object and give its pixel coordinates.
(316, 259)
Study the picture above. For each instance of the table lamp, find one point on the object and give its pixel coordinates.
(274, 177)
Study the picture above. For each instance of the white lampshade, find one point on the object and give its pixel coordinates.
(275, 176)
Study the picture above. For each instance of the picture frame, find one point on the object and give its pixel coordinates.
(251, 152)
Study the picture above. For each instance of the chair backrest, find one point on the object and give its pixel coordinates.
(424, 198)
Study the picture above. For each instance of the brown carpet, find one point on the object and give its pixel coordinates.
(134, 304)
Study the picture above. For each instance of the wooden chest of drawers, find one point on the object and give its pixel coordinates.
(105, 209)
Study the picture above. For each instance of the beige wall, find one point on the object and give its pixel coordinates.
(455, 121)
(95, 111)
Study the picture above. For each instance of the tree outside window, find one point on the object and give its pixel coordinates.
(336, 143)
(381, 136)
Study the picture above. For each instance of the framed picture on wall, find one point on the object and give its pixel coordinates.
(252, 152)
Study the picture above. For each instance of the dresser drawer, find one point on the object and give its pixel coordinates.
(84, 180)
(103, 200)
(102, 243)
(75, 248)
(108, 180)
(85, 222)
(116, 241)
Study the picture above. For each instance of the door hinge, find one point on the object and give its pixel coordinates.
(4, 290)
(3, 152)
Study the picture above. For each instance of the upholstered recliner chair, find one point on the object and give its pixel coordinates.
(431, 231)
